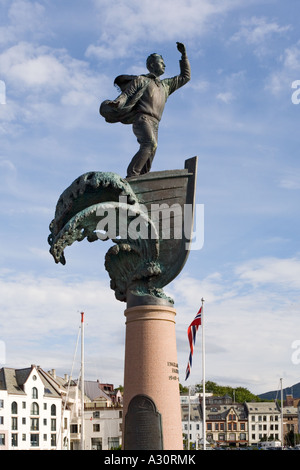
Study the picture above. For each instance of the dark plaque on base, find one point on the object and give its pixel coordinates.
(143, 429)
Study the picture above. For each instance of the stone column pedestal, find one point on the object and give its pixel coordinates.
(151, 372)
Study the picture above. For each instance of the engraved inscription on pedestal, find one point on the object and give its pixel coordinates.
(143, 429)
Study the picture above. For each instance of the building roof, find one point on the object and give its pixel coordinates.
(94, 392)
(262, 407)
(220, 412)
(194, 412)
(13, 380)
(290, 410)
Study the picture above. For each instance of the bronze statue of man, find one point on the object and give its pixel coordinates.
(141, 104)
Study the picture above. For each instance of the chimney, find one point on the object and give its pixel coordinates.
(289, 400)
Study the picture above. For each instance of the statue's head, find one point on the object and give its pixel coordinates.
(155, 64)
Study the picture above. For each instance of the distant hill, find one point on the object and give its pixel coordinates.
(294, 390)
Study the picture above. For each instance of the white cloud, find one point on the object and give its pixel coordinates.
(226, 97)
(283, 273)
(41, 316)
(291, 179)
(251, 313)
(49, 81)
(23, 17)
(126, 25)
(287, 71)
(257, 30)
(40, 67)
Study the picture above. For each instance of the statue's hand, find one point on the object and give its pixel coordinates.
(181, 47)
(118, 102)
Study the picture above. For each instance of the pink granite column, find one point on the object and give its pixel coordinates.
(151, 366)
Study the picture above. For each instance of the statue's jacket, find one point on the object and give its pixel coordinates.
(144, 94)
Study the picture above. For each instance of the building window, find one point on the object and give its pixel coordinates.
(23, 437)
(96, 414)
(96, 427)
(53, 440)
(96, 443)
(2, 439)
(1, 420)
(23, 404)
(14, 424)
(53, 424)
(14, 440)
(34, 410)
(23, 420)
(53, 410)
(113, 443)
(74, 428)
(34, 424)
(14, 408)
(1, 403)
(34, 393)
(34, 440)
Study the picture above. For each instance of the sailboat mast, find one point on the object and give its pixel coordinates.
(82, 380)
(281, 398)
(203, 377)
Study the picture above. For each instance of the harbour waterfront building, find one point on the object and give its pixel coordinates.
(226, 422)
(192, 429)
(264, 421)
(31, 412)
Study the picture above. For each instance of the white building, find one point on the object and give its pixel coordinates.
(31, 411)
(103, 428)
(191, 421)
(264, 421)
(39, 410)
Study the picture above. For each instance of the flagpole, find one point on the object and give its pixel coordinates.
(188, 445)
(203, 378)
(82, 381)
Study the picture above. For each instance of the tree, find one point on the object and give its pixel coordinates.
(183, 389)
(238, 394)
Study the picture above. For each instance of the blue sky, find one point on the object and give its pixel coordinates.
(58, 60)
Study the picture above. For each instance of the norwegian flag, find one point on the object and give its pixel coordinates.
(192, 330)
